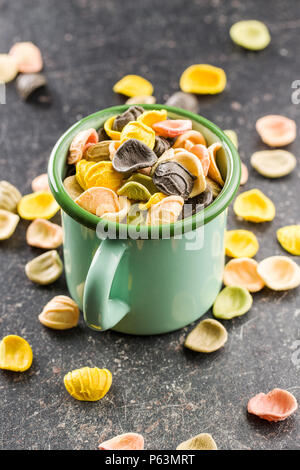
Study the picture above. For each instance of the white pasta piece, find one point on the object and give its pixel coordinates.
(44, 269)
(8, 224)
(9, 196)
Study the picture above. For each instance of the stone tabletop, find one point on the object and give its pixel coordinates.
(159, 389)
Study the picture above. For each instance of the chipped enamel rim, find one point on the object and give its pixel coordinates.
(57, 167)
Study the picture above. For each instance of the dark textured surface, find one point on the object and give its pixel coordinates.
(159, 388)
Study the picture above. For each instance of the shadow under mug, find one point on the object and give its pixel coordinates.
(147, 285)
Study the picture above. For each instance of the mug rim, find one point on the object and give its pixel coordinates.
(91, 221)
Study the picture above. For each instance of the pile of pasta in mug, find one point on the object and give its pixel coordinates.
(143, 168)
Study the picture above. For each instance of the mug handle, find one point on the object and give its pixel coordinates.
(100, 312)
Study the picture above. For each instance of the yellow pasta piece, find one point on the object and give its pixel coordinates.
(108, 127)
(151, 117)
(138, 130)
(289, 238)
(15, 354)
(203, 79)
(103, 174)
(133, 85)
(81, 169)
(88, 384)
(254, 206)
(241, 244)
(154, 199)
(39, 205)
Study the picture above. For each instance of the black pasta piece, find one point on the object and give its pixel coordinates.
(131, 114)
(198, 203)
(102, 134)
(172, 178)
(161, 145)
(171, 140)
(28, 83)
(184, 101)
(133, 155)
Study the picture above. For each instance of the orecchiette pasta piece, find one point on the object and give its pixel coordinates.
(289, 238)
(194, 166)
(44, 269)
(15, 354)
(9, 196)
(166, 211)
(203, 154)
(232, 136)
(142, 99)
(190, 162)
(127, 441)
(79, 143)
(40, 183)
(244, 174)
(39, 205)
(113, 147)
(243, 272)
(88, 384)
(189, 139)
(213, 171)
(98, 198)
(208, 336)
(201, 442)
(8, 68)
(27, 56)
(61, 313)
(277, 405)
(119, 215)
(203, 79)
(254, 206)
(279, 273)
(276, 130)
(133, 85)
(98, 152)
(72, 187)
(44, 234)
(8, 224)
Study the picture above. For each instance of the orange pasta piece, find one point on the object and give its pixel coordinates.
(189, 139)
(276, 130)
(79, 144)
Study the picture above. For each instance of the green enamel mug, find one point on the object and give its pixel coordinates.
(155, 279)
